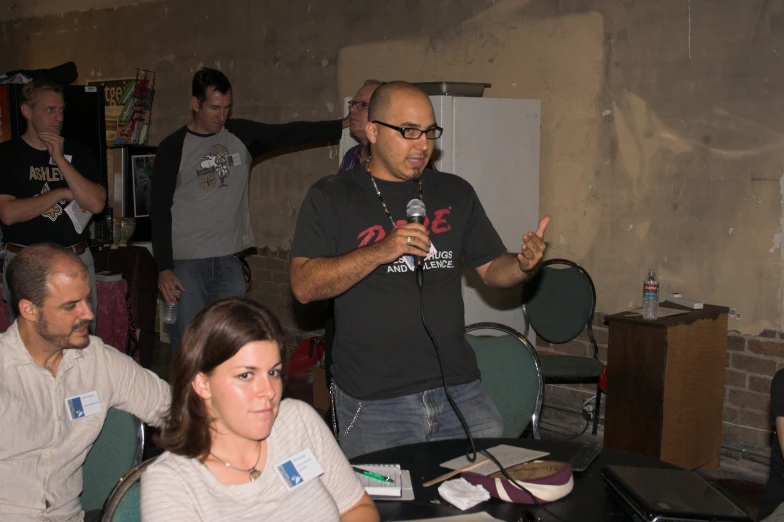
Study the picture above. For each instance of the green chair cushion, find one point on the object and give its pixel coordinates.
(570, 368)
(112, 455)
(509, 376)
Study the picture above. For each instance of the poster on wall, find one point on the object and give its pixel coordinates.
(113, 90)
(128, 108)
(142, 166)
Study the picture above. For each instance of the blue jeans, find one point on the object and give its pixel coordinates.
(205, 281)
(86, 258)
(419, 417)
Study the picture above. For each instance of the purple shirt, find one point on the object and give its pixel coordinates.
(351, 158)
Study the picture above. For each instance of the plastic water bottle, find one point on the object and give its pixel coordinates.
(169, 312)
(650, 296)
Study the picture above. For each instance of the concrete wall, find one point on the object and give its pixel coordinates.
(21, 9)
(662, 145)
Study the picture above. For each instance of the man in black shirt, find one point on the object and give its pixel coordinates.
(41, 174)
(772, 505)
(352, 244)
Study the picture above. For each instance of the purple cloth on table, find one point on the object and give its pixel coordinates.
(4, 321)
(112, 323)
(137, 267)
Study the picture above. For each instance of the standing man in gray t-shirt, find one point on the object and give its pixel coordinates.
(200, 215)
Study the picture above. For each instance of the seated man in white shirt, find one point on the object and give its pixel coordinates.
(49, 365)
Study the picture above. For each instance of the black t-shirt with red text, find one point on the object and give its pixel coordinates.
(381, 348)
(26, 172)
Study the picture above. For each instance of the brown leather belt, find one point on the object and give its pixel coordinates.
(78, 248)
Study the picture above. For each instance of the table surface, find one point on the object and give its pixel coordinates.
(708, 311)
(586, 503)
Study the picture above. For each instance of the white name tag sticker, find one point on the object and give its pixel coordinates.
(299, 469)
(68, 158)
(83, 405)
(234, 160)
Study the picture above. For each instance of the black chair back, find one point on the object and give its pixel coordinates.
(559, 302)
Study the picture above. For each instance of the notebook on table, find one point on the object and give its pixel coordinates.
(378, 488)
(670, 495)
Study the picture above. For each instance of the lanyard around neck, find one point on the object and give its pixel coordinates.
(381, 198)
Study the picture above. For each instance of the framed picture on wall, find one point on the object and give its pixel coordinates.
(142, 166)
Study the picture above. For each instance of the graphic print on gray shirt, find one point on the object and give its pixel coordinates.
(210, 215)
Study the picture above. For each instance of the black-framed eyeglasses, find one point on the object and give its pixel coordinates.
(359, 105)
(412, 133)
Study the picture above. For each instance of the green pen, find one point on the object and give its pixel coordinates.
(372, 475)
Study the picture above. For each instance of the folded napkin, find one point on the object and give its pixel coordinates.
(462, 494)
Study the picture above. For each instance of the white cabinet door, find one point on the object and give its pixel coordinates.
(494, 144)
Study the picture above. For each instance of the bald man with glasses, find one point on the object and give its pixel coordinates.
(353, 243)
(358, 117)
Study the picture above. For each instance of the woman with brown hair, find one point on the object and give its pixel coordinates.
(234, 450)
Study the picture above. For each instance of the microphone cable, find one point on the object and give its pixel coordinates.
(471, 450)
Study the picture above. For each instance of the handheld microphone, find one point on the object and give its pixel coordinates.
(415, 212)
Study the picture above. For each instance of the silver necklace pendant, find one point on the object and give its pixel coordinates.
(253, 473)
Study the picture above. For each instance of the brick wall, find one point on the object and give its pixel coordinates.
(270, 286)
(752, 360)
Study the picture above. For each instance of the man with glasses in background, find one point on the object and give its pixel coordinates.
(358, 117)
(353, 243)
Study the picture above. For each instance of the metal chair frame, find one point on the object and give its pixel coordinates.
(121, 488)
(589, 328)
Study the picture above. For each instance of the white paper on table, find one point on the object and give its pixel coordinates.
(507, 455)
(663, 311)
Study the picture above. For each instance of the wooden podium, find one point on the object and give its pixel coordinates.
(665, 385)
